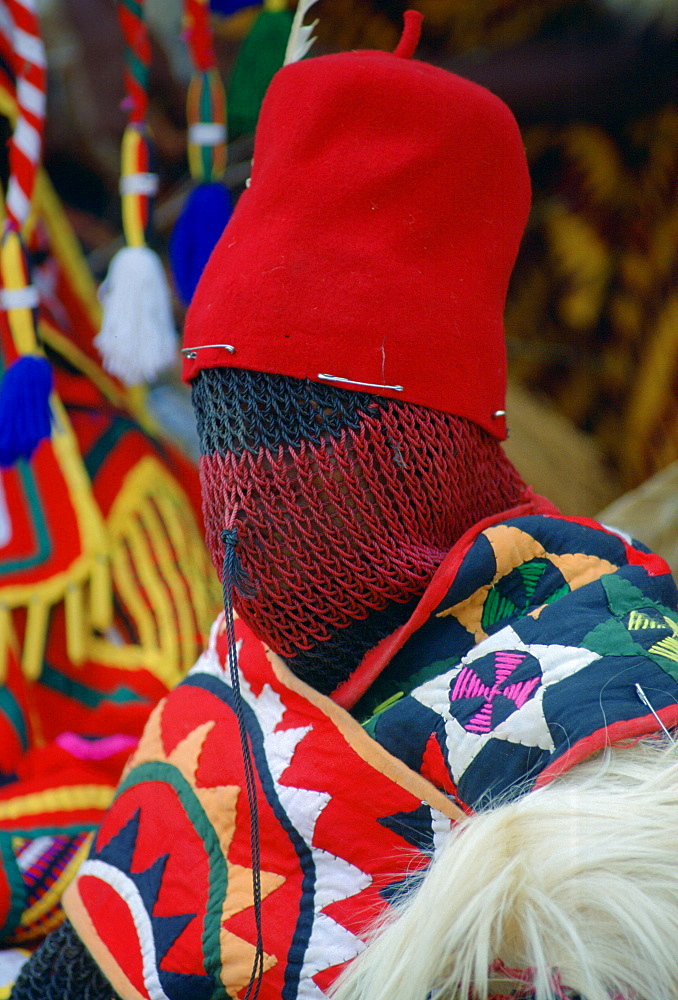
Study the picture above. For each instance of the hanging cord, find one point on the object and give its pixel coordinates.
(235, 578)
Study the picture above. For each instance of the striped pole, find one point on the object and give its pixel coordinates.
(25, 413)
(138, 184)
(206, 101)
(25, 148)
(209, 205)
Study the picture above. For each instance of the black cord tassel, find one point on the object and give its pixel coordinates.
(235, 578)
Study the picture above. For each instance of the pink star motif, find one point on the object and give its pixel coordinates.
(469, 685)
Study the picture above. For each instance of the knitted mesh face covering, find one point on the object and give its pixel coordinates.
(62, 968)
(345, 505)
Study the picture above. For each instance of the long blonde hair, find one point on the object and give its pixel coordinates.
(577, 882)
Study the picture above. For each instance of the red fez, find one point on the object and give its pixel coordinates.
(374, 245)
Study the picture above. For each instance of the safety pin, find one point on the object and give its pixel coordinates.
(646, 701)
(367, 385)
(192, 352)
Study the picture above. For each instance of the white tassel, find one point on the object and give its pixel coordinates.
(300, 40)
(138, 339)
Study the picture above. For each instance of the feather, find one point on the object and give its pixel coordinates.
(301, 36)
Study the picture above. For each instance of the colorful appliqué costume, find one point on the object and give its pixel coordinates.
(523, 658)
(106, 591)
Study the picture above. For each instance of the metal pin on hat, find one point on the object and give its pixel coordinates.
(366, 385)
(192, 352)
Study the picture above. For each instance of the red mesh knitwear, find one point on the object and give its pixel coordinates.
(344, 510)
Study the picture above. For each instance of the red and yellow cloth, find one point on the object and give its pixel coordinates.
(106, 590)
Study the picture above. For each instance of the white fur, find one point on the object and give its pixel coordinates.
(579, 878)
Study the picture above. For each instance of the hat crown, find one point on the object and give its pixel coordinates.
(375, 243)
(413, 135)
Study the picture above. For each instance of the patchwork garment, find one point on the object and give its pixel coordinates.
(531, 658)
(106, 591)
(164, 902)
(523, 657)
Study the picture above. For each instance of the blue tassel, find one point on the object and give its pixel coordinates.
(25, 417)
(228, 7)
(205, 214)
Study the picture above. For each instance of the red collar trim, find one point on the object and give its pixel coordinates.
(375, 660)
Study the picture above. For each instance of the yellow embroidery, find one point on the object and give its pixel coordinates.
(639, 620)
(152, 532)
(66, 798)
(668, 647)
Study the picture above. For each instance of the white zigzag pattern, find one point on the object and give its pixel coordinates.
(330, 944)
(442, 826)
(128, 891)
(209, 662)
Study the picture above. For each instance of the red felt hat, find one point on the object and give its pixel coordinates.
(374, 245)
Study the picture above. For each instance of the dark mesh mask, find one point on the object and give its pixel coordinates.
(344, 504)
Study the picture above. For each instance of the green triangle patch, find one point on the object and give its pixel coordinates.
(614, 638)
(623, 597)
(496, 608)
(611, 638)
(531, 573)
(560, 592)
